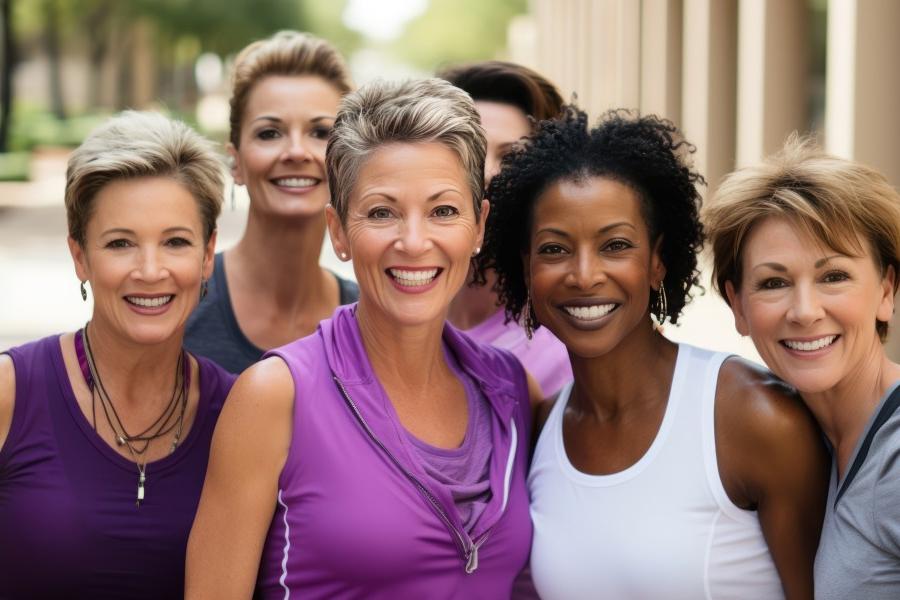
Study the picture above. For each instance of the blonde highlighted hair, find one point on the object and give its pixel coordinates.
(287, 53)
(839, 202)
(143, 144)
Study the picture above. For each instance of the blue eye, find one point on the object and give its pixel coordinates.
(380, 213)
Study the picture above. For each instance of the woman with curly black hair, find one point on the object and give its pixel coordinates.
(664, 470)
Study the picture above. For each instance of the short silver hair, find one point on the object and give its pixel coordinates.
(414, 111)
(143, 144)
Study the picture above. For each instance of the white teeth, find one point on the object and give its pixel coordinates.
(414, 278)
(296, 182)
(810, 346)
(149, 302)
(589, 313)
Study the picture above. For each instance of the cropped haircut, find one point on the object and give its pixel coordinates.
(410, 112)
(507, 83)
(143, 144)
(839, 202)
(287, 53)
(647, 154)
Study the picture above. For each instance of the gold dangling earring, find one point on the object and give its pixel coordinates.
(527, 319)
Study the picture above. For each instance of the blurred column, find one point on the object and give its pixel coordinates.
(143, 66)
(709, 84)
(862, 119)
(661, 22)
(773, 60)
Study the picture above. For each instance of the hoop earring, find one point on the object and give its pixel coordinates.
(527, 319)
(662, 303)
(83, 292)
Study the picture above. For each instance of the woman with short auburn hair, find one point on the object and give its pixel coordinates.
(105, 432)
(806, 252)
(384, 456)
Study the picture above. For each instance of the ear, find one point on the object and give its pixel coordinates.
(336, 232)
(482, 222)
(737, 309)
(209, 255)
(79, 259)
(886, 306)
(657, 267)
(235, 167)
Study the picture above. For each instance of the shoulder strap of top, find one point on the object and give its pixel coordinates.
(887, 409)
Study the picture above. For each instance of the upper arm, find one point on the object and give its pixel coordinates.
(7, 395)
(772, 457)
(249, 449)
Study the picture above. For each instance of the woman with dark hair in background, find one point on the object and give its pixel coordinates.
(663, 470)
(105, 432)
(510, 99)
(270, 289)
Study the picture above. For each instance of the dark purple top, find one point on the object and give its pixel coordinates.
(69, 526)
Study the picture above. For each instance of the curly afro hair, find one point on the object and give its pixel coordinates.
(646, 153)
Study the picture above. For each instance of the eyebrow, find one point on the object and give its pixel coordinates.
(782, 269)
(430, 198)
(275, 119)
(604, 229)
(168, 230)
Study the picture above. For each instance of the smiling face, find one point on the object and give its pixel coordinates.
(410, 230)
(504, 126)
(284, 132)
(144, 257)
(591, 264)
(810, 310)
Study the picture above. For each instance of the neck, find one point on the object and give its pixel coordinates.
(844, 410)
(636, 372)
(279, 258)
(474, 305)
(134, 373)
(405, 357)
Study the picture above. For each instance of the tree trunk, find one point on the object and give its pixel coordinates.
(7, 47)
(51, 24)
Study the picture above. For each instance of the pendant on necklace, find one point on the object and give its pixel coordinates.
(140, 490)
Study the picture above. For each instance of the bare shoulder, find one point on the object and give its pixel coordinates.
(266, 385)
(7, 395)
(750, 395)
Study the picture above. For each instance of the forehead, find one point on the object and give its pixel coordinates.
(592, 202)
(144, 202)
(401, 166)
(780, 240)
(502, 120)
(292, 94)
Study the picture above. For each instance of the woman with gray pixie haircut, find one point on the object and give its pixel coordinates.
(384, 456)
(105, 432)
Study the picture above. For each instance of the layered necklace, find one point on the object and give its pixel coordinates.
(170, 419)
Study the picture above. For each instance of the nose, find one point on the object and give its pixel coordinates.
(587, 271)
(296, 149)
(806, 307)
(413, 238)
(149, 268)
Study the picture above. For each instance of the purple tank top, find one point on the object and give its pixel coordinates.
(358, 516)
(70, 527)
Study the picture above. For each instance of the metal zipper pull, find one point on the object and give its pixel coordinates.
(472, 562)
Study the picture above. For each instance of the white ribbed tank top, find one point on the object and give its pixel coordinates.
(662, 529)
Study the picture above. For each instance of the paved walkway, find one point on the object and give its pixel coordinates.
(39, 291)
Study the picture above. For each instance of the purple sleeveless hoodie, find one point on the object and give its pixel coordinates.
(69, 527)
(357, 516)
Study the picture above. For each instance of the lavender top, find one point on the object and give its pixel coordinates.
(543, 356)
(70, 527)
(465, 471)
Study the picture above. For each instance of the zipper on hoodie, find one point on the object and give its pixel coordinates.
(466, 546)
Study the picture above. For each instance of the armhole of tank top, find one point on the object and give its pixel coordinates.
(710, 456)
(290, 462)
(16, 415)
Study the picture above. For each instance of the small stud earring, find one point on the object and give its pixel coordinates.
(343, 256)
(83, 292)
(477, 251)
